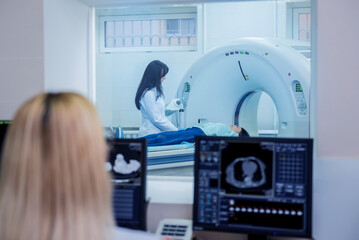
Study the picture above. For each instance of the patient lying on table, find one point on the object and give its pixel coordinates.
(188, 134)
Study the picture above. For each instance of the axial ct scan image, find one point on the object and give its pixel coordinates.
(247, 169)
(247, 172)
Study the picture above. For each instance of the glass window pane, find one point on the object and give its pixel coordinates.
(146, 41)
(192, 41)
(128, 29)
(172, 26)
(136, 28)
(192, 27)
(110, 34)
(155, 27)
(184, 27)
(304, 26)
(132, 31)
(164, 41)
(146, 28)
(174, 41)
(155, 40)
(137, 41)
(119, 34)
(184, 41)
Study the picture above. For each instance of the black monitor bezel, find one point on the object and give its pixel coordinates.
(3, 138)
(143, 204)
(260, 230)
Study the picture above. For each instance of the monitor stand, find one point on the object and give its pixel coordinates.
(257, 237)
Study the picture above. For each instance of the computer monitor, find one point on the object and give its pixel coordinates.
(127, 164)
(258, 186)
(4, 125)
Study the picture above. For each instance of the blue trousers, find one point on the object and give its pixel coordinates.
(173, 137)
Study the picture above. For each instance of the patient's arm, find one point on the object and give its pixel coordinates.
(235, 128)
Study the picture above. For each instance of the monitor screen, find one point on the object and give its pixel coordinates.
(127, 165)
(258, 186)
(3, 129)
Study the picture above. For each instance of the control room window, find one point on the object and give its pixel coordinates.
(164, 32)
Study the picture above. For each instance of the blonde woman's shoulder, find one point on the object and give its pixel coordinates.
(124, 233)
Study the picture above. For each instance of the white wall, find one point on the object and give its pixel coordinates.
(338, 83)
(336, 194)
(43, 47)
(66, 34)
(118, 74)
(229, 20)
(21, 53)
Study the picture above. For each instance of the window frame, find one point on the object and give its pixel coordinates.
(293, 11)
(139, 17)
(295, 27)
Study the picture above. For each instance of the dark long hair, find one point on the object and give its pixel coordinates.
(243, 133)
(155, 70)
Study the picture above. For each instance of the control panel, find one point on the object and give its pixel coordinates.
(299, 97)
(185, 94)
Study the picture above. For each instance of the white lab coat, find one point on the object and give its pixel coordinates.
(153, 114)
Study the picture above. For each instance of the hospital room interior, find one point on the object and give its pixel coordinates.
(286, 71)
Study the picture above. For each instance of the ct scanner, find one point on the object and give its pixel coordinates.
(221, 86)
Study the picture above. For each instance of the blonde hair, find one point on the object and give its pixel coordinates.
(53, 183)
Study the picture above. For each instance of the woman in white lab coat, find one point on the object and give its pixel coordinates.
(150, 100)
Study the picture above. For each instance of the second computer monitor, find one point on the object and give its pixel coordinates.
(127, 165)
(4, 125)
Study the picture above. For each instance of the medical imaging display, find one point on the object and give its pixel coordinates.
(127, 165)
(253, 185)
(4, 125)
(247, 169)
(124, 162)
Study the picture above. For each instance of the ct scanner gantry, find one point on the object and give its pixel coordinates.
(221, 86)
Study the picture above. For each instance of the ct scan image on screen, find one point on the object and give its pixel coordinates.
(247, 169)
(124, 162)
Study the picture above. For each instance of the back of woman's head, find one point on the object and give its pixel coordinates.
(151, 78)
(53, 184)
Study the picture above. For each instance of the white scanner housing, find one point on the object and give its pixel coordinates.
(221, 86)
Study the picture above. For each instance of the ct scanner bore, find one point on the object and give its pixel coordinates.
(220, 85)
